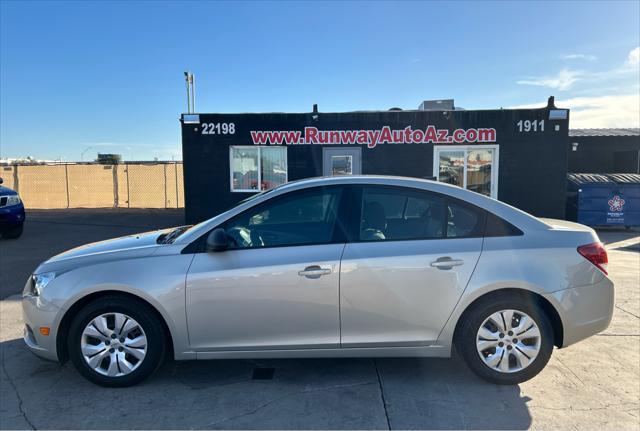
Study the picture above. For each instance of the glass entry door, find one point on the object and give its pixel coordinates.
(472, 167)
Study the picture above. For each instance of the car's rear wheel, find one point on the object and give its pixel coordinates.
(506, 341)
(116, 341)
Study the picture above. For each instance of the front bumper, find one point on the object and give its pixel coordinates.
(36, 313)
(584, 311)
(12, 216)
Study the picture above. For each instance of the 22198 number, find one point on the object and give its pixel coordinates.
(218, 128)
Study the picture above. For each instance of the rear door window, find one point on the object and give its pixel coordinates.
(497, 226)
(464, 220)
(394, 213)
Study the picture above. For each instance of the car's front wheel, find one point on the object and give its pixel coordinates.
(506, 341)
(14, 232)
(116, 341)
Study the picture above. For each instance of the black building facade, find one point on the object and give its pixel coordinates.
(517, 156)
(599, 151)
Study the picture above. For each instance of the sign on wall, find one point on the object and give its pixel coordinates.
(372, 138)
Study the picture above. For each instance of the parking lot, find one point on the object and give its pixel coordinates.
(592, 385)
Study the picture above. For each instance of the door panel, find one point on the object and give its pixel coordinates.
(390, 295)
(256, 299)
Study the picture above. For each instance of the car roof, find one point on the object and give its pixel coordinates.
(517, 217)
(351, 179)
(400, 181)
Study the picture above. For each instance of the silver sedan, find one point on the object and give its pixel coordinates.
(334, 267)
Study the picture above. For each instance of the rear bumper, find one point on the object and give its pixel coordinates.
(584, 311)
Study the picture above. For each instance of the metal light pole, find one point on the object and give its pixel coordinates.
(186, 81)
(191, 91)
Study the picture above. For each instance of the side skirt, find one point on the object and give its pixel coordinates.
(353, 352)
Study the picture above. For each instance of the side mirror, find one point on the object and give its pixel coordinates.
(217, 240)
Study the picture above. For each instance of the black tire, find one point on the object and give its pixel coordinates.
(474, 317)
(141, 313)
(13, 232)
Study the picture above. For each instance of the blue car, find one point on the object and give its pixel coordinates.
(11, 213)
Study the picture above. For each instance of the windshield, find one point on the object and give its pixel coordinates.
(170, 237)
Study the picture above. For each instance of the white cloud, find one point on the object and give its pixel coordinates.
(587, 57)
(562, 81)
(598, 112)
(634, 57)
(565, 79)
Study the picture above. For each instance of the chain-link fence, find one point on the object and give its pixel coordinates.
(91, 185)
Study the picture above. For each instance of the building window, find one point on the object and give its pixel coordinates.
(472, 167)
(256, 169)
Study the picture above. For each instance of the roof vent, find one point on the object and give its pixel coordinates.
(437, 105)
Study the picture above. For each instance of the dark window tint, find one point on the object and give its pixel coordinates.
(306, 217)
(464, 220)
(498, 227)
(396, 214)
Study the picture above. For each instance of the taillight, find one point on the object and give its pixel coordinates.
(596, 254)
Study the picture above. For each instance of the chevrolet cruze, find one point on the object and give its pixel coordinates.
(333, 267)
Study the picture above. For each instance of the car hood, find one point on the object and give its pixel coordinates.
(126, 247)
(5, 191)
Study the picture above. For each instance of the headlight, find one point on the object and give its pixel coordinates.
(39, 282)
(13, 200)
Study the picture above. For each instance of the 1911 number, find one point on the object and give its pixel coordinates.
(530, 126)
(218, 128)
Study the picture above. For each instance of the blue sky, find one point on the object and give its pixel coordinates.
(109, 75)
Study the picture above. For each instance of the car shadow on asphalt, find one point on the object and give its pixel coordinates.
(360, 393)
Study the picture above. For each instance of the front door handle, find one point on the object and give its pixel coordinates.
(314, 271)
(446, 263)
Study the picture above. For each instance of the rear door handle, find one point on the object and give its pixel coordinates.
(446, 263)
(314, 271)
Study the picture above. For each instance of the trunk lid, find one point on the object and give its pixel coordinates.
(565, 225)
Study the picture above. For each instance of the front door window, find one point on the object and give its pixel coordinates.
(473, 168)
(297, 218)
